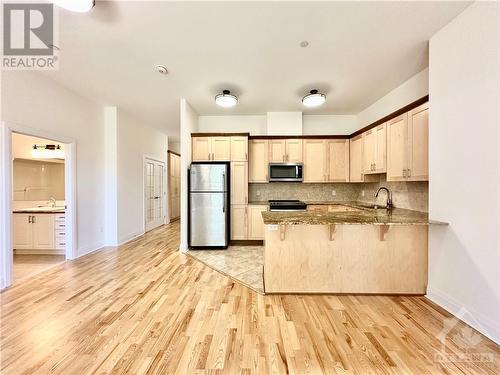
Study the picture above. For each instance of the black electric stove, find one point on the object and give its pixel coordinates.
(287, 205)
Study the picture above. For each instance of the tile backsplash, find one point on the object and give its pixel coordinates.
(410, 195)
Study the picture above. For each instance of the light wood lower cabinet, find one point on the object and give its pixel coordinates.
(239, 183)
(239, 222)
(258, 161)
(255, 222)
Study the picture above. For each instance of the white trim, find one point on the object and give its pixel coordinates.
(164, 193)
(130, 237)
(479, 322)
(6, 157)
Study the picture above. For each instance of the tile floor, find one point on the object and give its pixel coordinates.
(242, 263)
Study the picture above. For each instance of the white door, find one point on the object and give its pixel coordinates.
(154, 193)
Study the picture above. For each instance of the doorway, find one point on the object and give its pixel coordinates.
(37, 215)
(154, 193)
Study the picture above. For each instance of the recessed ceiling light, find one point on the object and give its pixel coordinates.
(75, 5)
(314, 99)
(304, 43)
(161, 69)
(226, 99)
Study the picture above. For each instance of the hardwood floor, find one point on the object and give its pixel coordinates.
(144, 308)
(27, 265)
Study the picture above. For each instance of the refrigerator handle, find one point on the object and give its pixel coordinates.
(224, 187)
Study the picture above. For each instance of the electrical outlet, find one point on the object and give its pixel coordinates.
(334, 193)
(362, 193)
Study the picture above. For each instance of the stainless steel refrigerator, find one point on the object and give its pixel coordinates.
(209, 205)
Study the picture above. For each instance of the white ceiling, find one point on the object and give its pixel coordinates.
(358, 52)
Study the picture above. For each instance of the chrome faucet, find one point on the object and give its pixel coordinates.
(389, 196)
(52, 201)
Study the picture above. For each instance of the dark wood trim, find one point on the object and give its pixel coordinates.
(299, 137)
(173, 152)
(220, 134)
(397, 113)
(246, 243)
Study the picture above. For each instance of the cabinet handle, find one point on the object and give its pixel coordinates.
(409, 172)
(29, 219)
(246, 156)
(33, 219)
(208, 156)
(404, 173)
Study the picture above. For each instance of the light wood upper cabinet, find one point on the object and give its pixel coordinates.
(294, 151)
(374, 150)
(408, 146)
(258, 160)
(418, 143)
(277, 150)
(397, 146)
(221, 148)
(211, 148)
(239, 222)
(315, 160)
(338, 160)
(201, 148)
(239, 148)
(285, 150)
(255, 222)
(356, 159)
(239, 182)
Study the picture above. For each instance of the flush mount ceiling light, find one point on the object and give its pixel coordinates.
(47, 152)
(162, 69)
(80, 6)
(226, 99)
(314, 99)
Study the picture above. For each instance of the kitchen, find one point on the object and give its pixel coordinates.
(292, 194)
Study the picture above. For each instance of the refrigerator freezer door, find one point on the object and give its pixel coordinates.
(208, 219)
(208, 177)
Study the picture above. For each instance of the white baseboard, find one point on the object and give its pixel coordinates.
(183, 247)
(476, 320)
(84, 250)
(128, 238)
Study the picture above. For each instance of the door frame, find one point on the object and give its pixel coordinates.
(6, 160)
(145, 158)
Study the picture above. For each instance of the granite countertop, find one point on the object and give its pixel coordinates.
(365, 215)
(39, 211)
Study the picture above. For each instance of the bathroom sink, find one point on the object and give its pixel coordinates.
(44, 209)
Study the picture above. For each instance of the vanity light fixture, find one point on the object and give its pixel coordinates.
(226, 99)
(80, 6)
(47, 152)
(314, 99)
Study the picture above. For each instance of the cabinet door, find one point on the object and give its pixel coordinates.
(369, 150)
(381, 148)
(356, 159)
(258, 163)
(418, 143)
(338, 160)
(201, 148)
(239, 219)
(314, 160)
(43, 231)
(221, 148)
(397, 148)
(277, 150)
(23, 231)
(239, 148)
(255, 222)
(239, 182)
(294, 151)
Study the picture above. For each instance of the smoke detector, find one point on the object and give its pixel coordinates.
(162, 69)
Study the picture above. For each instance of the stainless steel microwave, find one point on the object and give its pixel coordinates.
(286, 172)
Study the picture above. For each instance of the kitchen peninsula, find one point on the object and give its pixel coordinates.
(346, 248)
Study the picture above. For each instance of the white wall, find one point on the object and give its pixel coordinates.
(253, 124)
(33, 100)
(464, 189)
(406, 93)
(329, 124)
(134, 140)
(284, 123)
(174, 146)
(189, 124)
